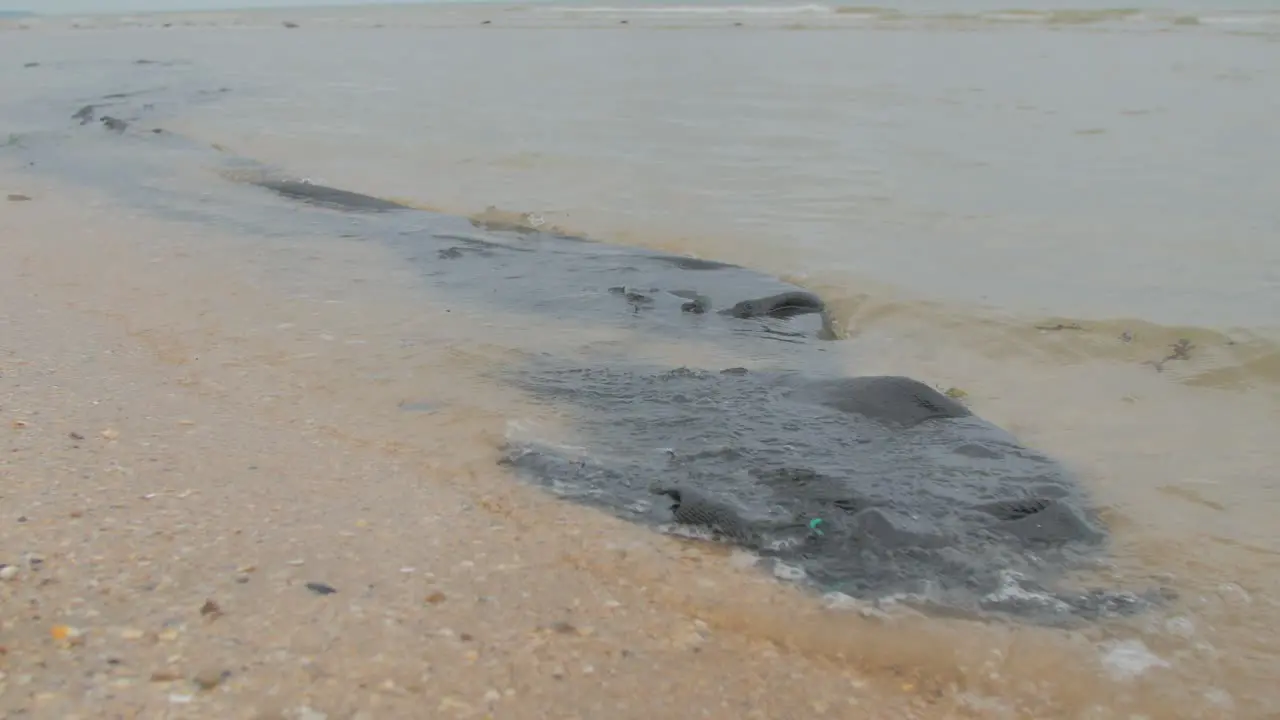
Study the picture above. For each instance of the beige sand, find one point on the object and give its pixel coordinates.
(189, 441)
(171, 481)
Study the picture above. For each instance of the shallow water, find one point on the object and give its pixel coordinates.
(1037, 220)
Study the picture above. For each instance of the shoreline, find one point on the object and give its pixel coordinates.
(174, 511)
(185, 399)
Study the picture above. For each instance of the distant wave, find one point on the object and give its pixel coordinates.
(1011, 15)
(700, 9)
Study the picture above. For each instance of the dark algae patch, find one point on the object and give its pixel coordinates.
(875, 487)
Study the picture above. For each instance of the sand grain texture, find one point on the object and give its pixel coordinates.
(172, 483)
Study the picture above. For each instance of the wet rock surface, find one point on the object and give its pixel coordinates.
(874, 486)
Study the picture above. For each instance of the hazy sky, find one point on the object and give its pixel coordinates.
(106, 6)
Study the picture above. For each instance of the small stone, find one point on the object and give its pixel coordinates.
(110, 434)
(492, 696)
(75, 435)
(436, 598)
(211, 610)
(16, 197)
(168, 635)
(296, 563)
(177, 699)
(162, 676)
(67, 635)
(131, 634)
(563, 628)
(210, 678)
(321, 588)
(306, 713)
(8, 572)
(449, 703)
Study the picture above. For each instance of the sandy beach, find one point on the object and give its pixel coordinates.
(252, 465)
(190, 468)
(172, 488)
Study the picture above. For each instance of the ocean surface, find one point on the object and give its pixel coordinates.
(1064, 216)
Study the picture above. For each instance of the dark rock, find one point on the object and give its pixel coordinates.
(892, 530)
(320, 588)
(782, 305)
(887, 398)
(114, 124)
(692, 508)
(697, 306)
(1056, 522)
(688, 263)
(329, 197)
(84, 114)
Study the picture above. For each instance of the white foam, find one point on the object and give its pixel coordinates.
(1127, 659)
(784, 571)
(1012, 592)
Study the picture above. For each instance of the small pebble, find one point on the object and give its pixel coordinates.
(210, 609)
(436, 598)
(67, 635)
(16, 197)
(161, 676)
(210, 678)
(8, 572)
(131, 634)
(321, 588)
(110, 434)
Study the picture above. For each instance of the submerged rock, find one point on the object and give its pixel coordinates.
(870, 486)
